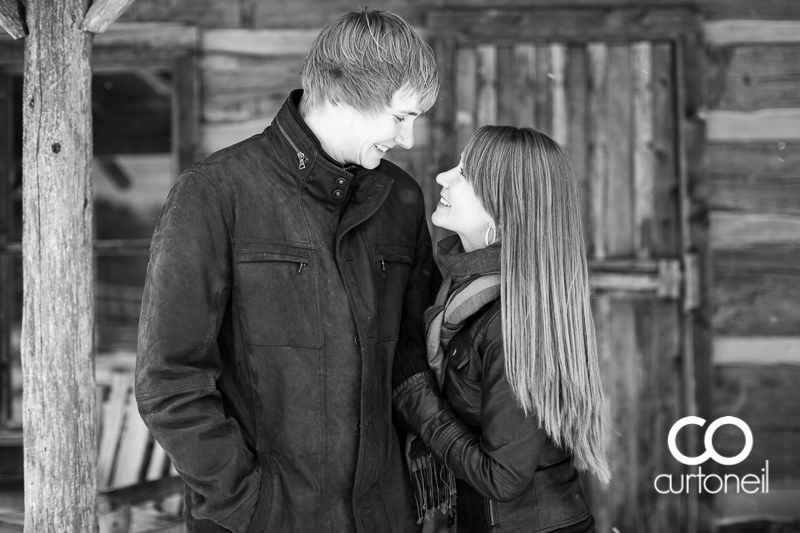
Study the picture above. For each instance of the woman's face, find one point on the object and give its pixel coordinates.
(460, 210)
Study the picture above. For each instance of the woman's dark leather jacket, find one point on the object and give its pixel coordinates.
(511, 477)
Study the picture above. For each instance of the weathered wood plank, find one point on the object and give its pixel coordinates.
(175, 38)
(112, 499)
(466, 94)
(317, 14)
(217, 136)
(697, 334)
(507, 110)
(132, 447)
(639, 349)
(113, 417)
(544, 89)
(764, 125)
(619, 231)
(11, 18)
(103, 13)
(749, 78)
(577, 86)
(775, 159)
(57, 346)
(659, 347)
(186, 111)
(259, 43)
(487, 85)
(444, 151)
(766, 396)
(710, 9)
(240, 88)
(735, 230)
(643, 149)
(756, 195)
(779, 447)
(757, 291)
(525, 83)
(558, 60)
(732, 32)
(598, 149)
(203, 13)
(757, 350)
(666, 225)
(7, 105)
(561, 24)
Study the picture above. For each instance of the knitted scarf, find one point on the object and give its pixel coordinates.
(472, 281)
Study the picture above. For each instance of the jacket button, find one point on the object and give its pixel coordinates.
(340, 182)
(338, 193)
(357, 340)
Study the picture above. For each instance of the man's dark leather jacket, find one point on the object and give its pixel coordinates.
(279, 287)
(510, 476)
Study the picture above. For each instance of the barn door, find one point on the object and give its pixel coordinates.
(607, 86)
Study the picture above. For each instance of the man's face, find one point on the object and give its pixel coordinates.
(365, 138)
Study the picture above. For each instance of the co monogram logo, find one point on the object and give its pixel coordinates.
(710, 452)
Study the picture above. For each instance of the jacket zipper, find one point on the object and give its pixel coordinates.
(301, 157)
(300, 264)
(492, 508)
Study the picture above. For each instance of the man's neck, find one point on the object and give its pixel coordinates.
(323, 123)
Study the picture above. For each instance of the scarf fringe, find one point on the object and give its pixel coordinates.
(434, 488)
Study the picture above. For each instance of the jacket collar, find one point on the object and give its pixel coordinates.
(318, 173)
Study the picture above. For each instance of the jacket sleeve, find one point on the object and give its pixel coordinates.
(498, 460)
(178, 361)
(424, 279)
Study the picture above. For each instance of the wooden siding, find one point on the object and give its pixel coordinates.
(753, 165)
(314, 14)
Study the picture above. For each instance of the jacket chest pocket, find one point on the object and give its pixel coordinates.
(393, 268)
(279, 297)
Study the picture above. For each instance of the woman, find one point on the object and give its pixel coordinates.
(511, 346)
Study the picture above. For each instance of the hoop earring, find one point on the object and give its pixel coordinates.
(494, 235)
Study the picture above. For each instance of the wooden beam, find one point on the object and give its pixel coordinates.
(109, 500)
(758, 351)
(755, 195)
(57, 344)
(258, 43)
(103, 13)
(148, 35)
(757, 291)
(548, 24)
(768, 159)
(11, 18)
(763, 125)
(753, 77)
(738, 231)
(730, 32)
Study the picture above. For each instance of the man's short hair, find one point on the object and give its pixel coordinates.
(363, 58)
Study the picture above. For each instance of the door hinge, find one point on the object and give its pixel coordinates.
(691, 281)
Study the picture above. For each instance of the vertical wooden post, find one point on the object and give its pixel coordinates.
(6, 296)
(58, 313)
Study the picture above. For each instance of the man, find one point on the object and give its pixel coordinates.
(285, 273)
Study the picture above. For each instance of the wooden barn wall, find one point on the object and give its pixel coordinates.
(251, 55)
(252, 52)
(753, 175)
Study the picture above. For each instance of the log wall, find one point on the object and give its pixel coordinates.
(753, 170)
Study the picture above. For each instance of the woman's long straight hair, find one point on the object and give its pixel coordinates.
(526, 183)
